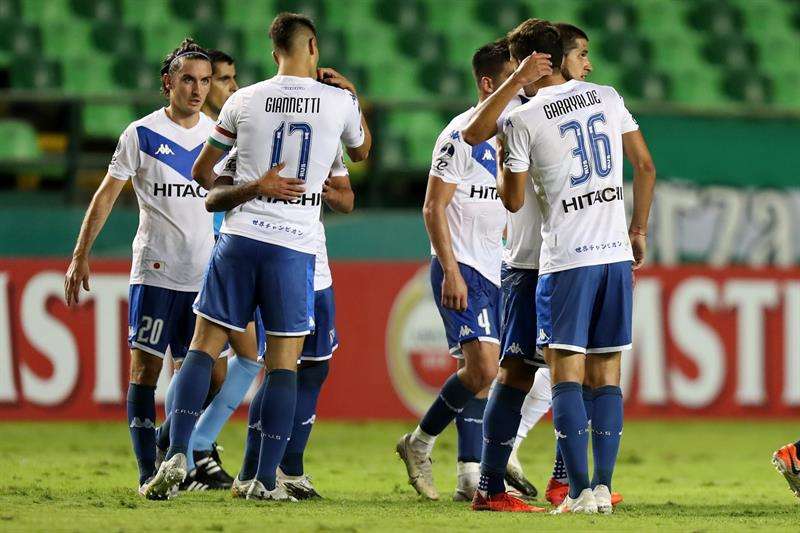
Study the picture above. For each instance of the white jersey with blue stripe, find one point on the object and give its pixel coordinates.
(475, 214)
(173, 242)
(300, 122)
(568, 138)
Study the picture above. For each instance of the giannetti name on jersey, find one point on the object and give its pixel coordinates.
(309, 200)
(483, 192)
(576, 203)
(571, 103)
(292, 104)
(179, 190)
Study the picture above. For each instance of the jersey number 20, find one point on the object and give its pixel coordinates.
(599, 147)
(305, 146)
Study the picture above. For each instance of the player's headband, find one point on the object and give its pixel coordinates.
(184, 54)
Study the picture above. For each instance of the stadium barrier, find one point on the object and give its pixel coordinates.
(715, 342)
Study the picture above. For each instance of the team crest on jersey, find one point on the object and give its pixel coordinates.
(164, 149)
(448, 150)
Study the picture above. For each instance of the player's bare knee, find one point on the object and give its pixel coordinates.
(145, 368)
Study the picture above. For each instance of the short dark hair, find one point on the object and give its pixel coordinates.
(490, 59)
(284, 27)
(218, 56)
(172, 63)
(536, 35)
(569, 35)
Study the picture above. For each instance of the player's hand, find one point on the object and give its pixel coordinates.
(77, 276)
(532, 68)
(272, 185)
(639, 248)
(331, 194)
(454, 291)
(331, 77)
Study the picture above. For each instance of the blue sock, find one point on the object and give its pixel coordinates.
(252, 445)
(309, 384)
(570, 423)
(500, 425)
(606, 432)
(559, 470)
(142, 424)
(241, 373)
(191, 388)
(190, 450)
(469, 424)
(588, 401)
(277, 416)
(451, 400)
(162, 433)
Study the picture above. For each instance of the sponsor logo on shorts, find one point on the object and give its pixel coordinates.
(543, 337)
(464, 331)
(515, 349)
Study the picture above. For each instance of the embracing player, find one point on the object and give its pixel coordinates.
(265, 254)
(585, 289)
(318, 349)
(174, 239)
(465, 222)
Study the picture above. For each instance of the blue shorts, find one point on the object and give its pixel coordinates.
(586, 309)
(245, 274)
(321, 344)
(159, 319)
(480, 321)
(519, 315)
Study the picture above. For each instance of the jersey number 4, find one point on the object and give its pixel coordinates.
(305, 146)
(599, 147)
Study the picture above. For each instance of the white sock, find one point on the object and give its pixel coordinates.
(421, 441)
(468, 474)
(537, 403)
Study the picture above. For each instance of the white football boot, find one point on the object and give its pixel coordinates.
(418, 466)
(239, 488)
(258, 491)
(298, 486)
(602, 496)
(584, 503)
(469, 475)
(164, 484)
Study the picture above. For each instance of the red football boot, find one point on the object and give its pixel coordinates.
(503, 503)
(557, 491)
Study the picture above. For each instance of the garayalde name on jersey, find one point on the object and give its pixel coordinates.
(292, 104)
(571, 103)
(576, 203)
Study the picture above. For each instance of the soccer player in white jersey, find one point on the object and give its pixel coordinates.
(317, 351)
(465, 221)
(232, 375)
(174, 240)
(265, 254)
(569, 139)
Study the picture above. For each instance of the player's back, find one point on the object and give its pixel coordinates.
(569, 137)
(296, 121)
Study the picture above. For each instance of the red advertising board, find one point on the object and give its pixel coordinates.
(710, 342)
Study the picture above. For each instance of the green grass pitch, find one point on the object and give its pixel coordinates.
(676, 475)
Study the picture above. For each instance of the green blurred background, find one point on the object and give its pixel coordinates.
(715, 85)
